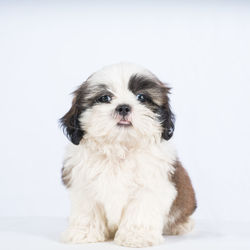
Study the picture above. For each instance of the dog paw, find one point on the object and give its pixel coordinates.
(138, 237)
(81, 235)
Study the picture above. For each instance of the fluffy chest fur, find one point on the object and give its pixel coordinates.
(113, 182)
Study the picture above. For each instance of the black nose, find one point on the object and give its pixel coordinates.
(123, 109)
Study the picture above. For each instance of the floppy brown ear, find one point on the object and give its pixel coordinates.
(70, 121)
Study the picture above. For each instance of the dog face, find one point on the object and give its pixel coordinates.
(120, 103)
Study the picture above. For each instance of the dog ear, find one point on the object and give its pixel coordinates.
(168, 123)
(167, 118)
(70, 121)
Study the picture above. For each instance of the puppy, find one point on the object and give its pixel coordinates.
(122, 172)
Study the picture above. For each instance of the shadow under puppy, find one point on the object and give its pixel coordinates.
(122, 172)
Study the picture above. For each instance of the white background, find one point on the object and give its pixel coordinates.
(201, 49)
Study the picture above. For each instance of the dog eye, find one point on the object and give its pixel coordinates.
(141, 97)
(104, 99)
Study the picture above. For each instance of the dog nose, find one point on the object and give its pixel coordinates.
(123, 109)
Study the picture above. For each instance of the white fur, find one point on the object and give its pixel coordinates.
(119, 175)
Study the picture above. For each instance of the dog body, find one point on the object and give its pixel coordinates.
(123, 174)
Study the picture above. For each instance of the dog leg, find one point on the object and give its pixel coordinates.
(142, 222)
(87, 223)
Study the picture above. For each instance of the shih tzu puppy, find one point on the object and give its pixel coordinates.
(122, 172)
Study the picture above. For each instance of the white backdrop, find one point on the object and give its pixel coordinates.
(201, 49)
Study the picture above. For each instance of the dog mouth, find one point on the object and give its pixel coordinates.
(124, 122)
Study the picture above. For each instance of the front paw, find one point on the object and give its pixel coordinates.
(82, 235)
(138, 237)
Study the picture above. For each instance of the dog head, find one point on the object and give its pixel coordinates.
(121, 102)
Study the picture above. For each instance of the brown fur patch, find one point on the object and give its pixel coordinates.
(151, 87)
(185, 202)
